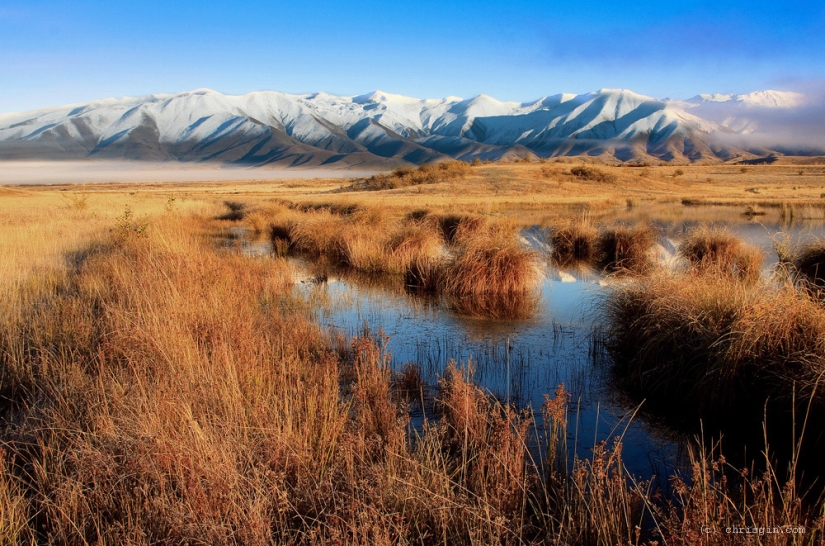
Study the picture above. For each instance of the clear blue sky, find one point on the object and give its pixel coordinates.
(56, 52)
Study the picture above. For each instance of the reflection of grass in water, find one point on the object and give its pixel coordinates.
(496, 306)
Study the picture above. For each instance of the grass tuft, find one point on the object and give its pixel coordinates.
(809, 261)
(624, 248)
(715, 249)
(574, 242)
(714, 343)
(492, 274)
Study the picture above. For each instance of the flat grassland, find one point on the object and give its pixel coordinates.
(156, 389)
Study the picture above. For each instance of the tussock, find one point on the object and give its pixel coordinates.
(574, 242)
(491, 274)
(712, 342)
(809, 261)
(625, 248)
(715, 249)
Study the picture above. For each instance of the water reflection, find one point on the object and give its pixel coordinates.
(551, 342)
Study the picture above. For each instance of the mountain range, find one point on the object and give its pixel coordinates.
(381, 130)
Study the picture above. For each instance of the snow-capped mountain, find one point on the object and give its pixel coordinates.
(742, 113)
(377, 129)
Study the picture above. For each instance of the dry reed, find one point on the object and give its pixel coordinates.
(710, 342)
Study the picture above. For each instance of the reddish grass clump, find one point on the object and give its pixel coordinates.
(574, 242)
(712, 342)
(491, 273)
(624, 248)
(809, 261)
(715, 249)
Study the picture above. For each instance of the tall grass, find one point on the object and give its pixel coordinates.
(574, 242)
(708, 341)
(715, 249)
(166, 392)
(626, 248)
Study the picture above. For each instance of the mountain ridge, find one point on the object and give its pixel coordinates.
(382, 129)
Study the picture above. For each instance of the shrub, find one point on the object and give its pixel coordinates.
(425, 174)
(592, 174)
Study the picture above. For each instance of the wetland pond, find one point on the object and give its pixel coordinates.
(522, 360)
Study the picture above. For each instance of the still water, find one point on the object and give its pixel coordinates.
(522, 360)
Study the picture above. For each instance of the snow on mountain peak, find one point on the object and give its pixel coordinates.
(268, 126)
(380, 96)
(760, 99)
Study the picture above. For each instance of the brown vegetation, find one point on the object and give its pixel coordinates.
(574, 242)
(809, 261)
(155, 389)
(592, 174)
(711, 342)
(477, 262)
(430, 173)
(715, 249)
(491, 273)
(626, 248)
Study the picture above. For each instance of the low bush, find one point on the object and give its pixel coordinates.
(430, 173)
(592, 174)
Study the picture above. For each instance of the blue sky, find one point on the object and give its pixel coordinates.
(56, 52)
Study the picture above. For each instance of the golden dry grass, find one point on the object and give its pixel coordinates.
(573, 242)
(156, 389)
(624, 248)
(716, 249)
(709, 341)
(491, 273)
